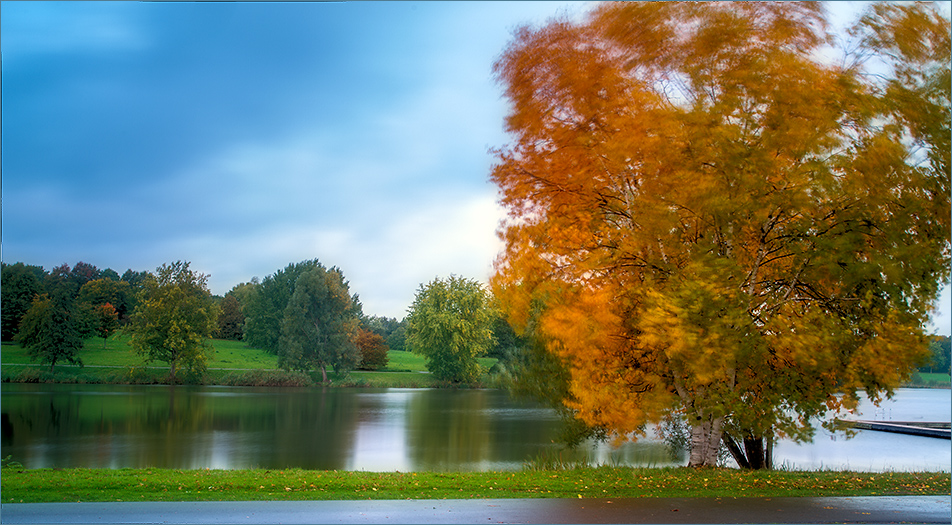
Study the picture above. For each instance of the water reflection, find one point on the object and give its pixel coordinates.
(108, 426)
(223, 427)
(879, 451)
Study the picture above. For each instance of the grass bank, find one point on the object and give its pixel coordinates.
(930, 380)
(231, 363)
(46, 485)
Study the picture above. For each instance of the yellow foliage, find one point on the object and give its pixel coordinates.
(704, 217)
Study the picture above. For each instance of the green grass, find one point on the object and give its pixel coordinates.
(931, 380)
(404, 362)
(47, 485)
(118, 353)
(231, 363)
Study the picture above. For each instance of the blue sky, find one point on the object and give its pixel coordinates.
(246, 136)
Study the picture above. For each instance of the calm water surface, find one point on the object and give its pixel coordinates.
(110, 426)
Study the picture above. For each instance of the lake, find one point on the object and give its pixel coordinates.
(114, 426)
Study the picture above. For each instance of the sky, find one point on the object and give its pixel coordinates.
(243, 137)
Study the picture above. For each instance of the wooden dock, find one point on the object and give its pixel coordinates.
(939, 429)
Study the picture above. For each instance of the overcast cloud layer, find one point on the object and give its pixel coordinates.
(246, 136)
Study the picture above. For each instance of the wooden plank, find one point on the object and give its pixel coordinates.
(927, 429)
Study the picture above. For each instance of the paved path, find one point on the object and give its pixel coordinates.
(908, 509)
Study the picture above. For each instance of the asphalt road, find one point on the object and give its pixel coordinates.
(905, 509)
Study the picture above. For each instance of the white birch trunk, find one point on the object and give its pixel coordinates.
(705, 441)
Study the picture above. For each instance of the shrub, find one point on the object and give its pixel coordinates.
(267, 378)
(373, 350)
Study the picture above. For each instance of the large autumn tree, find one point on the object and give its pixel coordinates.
(175, 318)
(716, 214)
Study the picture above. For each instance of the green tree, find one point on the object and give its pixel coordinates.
(266, 304)
(450, 324)
(175, 318)
(393, 331)
(720, 224)
(63, 281)
(243, 291)
(48, 331)
(940, 352)
(110, 274)
(20, 285)
(397, 340)
(320, 323)
(231, 322)
(98, 292)
(383, 326)
(136, 281)
(505, 339)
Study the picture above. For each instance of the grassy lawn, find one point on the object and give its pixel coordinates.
(118, 353)
(231, 363)
(47, 485)
(404, 362)
(931, 380)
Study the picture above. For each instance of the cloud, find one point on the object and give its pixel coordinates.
(243, 137)
(385, 262)
(43, 28)
(942, 318)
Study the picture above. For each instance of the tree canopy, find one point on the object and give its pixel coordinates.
(175, 318)
(450, 324)
(710, 219)
(21, 284)
(49, 331)
(373, 350)
(266, 302)
(320, 323)
(231, 321)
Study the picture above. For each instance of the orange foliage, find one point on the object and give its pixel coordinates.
(373, 350)
(706, 218)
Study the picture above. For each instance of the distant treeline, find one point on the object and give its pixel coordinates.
(941, 356)
(250, 312)
(85, 285)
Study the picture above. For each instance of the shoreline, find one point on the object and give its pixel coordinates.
(26, 373)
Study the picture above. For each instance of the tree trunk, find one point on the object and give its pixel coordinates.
(754, 446)
(756, 454)
(705, 440)
(324, 374)
(735, 451)
(172, 373)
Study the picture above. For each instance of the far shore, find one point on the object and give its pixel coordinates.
(234, 364)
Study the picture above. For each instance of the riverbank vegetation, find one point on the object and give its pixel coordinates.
(90, 485)
(230, 363)
(302, 320)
